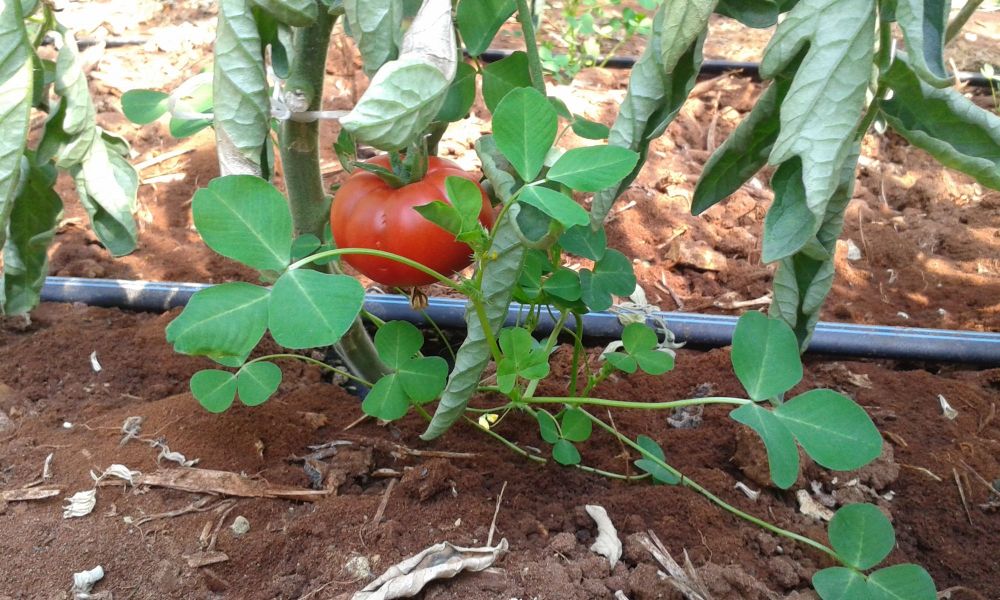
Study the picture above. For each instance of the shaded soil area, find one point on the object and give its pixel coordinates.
(53, 402)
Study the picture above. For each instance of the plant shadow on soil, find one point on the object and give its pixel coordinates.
(293, 548)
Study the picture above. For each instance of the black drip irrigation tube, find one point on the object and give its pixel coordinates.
(703, 331)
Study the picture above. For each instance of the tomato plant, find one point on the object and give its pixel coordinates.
(368, 212)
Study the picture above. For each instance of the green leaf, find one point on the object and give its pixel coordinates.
(480, 20)
(461, 94)
(901, 582)
(215, 390)
(563, 284)
(245, 218)
(765, 356)
(565, 453)
(583, 241)
(637, 337)
(611, 275)
(656, 92)
(256, 382)
(686, 24)
(923, 23)
(296, 13)
(71, 84)
(443, 215)
(467, 199)
(198, 100)
(861, 535)
(67, 150)
(304, 245)
(576, 426)
(825, 103)
(744, 152)
(241, 106)
(646, 464)
(524, 128)
(622, 362)
(547, 426)
(947, 125)
(782, 454)
(471, 359)
(397, 342)
(387, 399)
(224, 322)
(523, 354)
(144, 106)
(402, 99)
(789, 224)
(33, 221)
(589, 130)
(836, 432)
(654, 362)
(593, 168)
(309, 309)
(423, 379)
(376, 26)
(560, 207)
(107, 186)
(838, 583)
(759, 14)
(499, 172)
(562, 110)
(504, 75)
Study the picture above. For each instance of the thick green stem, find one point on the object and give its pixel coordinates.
(299, 148)
(528, 29)
(381, 254)
(963, 16)
(639, 405)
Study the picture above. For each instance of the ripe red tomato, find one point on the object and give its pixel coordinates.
(369, 213)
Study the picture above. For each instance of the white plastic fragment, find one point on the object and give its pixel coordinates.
(748, 491)
(811, 508)
(84, 581)
(93, 362)
(607, 543)
(131, 429)
(80, 504)
(177, 457)
(47, 467)
(441, 561)
(118, 471)
(946, 409)
(240, 526)
(67, 425)
(903, 315)
(853, 252)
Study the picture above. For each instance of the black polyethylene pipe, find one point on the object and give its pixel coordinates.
(839, 339)
(717, 67)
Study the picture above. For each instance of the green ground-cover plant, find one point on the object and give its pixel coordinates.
(832, 73)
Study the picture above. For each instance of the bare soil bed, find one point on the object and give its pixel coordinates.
(929, 241)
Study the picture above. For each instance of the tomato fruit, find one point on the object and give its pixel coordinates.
(369, 213)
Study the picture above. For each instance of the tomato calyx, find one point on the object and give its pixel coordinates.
(404, 168)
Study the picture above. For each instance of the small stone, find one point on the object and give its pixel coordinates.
(240, 526)
(358, 567)
(853, 252)
(698, 255)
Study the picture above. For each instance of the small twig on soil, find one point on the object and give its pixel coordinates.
(709, 84)
(218, 526)
(162, 158)
(662, 285)
(960, 588)
(27, 494)
(355, 423)
(385, 502)
(763, 300)
(927, 472)
(896, 438)
(961, 494)
(985, 421)
(496, 511)
(981, 478)
(197, 506)
(204, 481)
(397, 450)
(685, 578)
(620, 595)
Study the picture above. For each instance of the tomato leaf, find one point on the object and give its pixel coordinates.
(245, 218)
(461, 94)
(839, 583)
(309, 309)
(782, 453)
(923, 23)
(33, 221)
(387, 399)
(296, 13)
(16, 90)
(789, 224)
(584, 241)
(144, 106)
(256, 382)
(593, 168)
(611, 275)
(758, 14)
(901, 582)
(480, 20)
(559, 207)
(524, 128)
(834, 431)
(224, 322)
(765, 356)
(861, 535)
(375, 26)
(107, 186)
(242, 108)
(214, 389)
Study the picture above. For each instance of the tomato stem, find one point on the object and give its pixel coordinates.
(381, 254)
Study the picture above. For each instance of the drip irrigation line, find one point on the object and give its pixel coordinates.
(698, 330)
